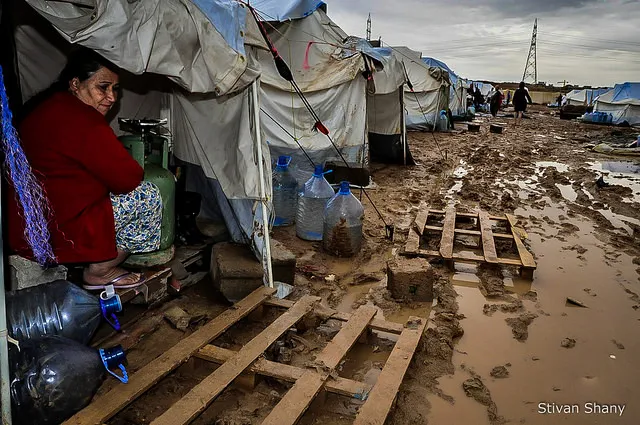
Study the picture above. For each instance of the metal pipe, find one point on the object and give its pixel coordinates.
(5, 387)
(403, 125)
(255, 86)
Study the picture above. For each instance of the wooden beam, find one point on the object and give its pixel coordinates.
(376, 409)
(287, 373)
(203, 394)
(375, 324)
(296, 401)
(421, 218)
(433, 228)
(488, 245)
(106, 406)
(448, 233)
(525, 256)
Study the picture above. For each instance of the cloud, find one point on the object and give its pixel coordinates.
(593, 42)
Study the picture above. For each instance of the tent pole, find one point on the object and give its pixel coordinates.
(403, 125)
(5, 387)
(255, 86)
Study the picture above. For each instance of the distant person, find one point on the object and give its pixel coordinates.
(496, 101)
(559, 100)
(508, 97)
(520, 99)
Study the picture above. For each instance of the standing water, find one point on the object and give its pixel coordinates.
(285, 193)
(343, 219)
(314, 197)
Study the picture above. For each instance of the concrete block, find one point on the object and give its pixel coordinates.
(355, 174)
(236, 272)
(24, 273)
(411, 279)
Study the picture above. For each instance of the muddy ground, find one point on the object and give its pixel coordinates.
(497, 345)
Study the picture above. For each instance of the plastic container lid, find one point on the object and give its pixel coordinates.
(284, 161)
(319, 171)
(344, 188)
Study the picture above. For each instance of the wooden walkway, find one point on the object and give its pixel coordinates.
(483, 229)
(307, 382)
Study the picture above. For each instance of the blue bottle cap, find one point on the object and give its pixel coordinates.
(319, 171)
(109, 307)
(283, 161)
(112, 358)
(344, 188)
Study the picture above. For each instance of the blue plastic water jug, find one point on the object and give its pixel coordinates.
(313, 199)
(54, 377)
(59, 308)
(285, 193)
(443, 121)
(343, 218)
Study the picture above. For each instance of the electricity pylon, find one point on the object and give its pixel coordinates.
(531, 67)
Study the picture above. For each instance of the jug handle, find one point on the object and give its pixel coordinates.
(109, 293)
(125, 376)
(115, 323)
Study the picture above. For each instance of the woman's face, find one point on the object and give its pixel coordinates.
(99, 91)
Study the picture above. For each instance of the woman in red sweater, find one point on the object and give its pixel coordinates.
(101, 210)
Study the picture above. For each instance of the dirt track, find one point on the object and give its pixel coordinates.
(485, 359)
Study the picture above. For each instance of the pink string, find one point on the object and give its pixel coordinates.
(305, 64)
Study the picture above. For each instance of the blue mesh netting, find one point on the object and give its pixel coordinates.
(29, 192)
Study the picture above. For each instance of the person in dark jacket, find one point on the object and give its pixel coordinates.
(520, 99)
(496, 102)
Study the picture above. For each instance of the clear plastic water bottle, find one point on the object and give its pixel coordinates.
(54, 377)
(313, 199)
(285, 193)
(59, 308)
(343, 218)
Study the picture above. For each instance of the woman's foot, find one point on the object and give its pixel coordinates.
(97, 278)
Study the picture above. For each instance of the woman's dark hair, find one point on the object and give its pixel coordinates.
(82, 63)
(521, 84)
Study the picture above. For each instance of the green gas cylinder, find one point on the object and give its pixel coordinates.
(152, 153)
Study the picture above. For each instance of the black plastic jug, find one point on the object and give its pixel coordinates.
(59, 308)
(54, 377)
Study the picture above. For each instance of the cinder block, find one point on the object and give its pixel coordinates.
(236, 272)
(355, 174)
(411, 279)
(25, 273)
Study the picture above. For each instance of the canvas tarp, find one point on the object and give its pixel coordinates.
(330, 76)
(583, 97)
(458, 89)
(623, 102)
(430, 92)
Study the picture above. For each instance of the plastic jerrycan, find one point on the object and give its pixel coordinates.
(343, 219)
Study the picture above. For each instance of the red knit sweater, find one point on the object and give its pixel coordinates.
(79, 161)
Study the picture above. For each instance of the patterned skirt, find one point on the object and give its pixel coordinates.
(138, 217)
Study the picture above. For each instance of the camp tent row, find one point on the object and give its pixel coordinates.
(623, 102)
(205, 67)
(583, 97)
(457, 90)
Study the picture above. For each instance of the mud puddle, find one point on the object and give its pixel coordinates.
(620, 173)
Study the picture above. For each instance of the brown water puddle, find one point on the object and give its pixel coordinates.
(595, 370)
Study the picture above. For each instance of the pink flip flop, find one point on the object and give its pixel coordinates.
(114, 282)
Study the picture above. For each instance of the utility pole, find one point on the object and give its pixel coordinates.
(531, 67)
(369, 28)
(563, 82)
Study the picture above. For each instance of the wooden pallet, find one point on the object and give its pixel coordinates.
(483, 229)
(307, 382)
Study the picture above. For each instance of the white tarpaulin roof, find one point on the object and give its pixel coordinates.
(623, 102)
(199, 44)
(584, 97)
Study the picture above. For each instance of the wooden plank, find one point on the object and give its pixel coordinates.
(525, 256)
(448, 232)
(421, 218)
(502, 236)
(433, 228)
(488, 245)
(201, 396)
(375, 324)
(468, 256)
(264, 367)
(299, 397)
(413, 242)
(106, 406)
(155, 281)
(380, 400)
(428, 253)
(468, 232)
(475, 215)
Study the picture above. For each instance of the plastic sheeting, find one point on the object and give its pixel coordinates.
(198, 44)
(583, 97)
(623, 102)
(284, 10)
(457, 91)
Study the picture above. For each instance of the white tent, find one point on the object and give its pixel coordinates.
(207, 48)
(585, 97)
(428, 92)
(623, 102)
(330, 75)
(458, 89)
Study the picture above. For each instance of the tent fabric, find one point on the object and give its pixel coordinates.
(457, 91)
(196, 43)
(583, 97)
(430, 92)
(330, 76)
(284, 10)
(623, 102)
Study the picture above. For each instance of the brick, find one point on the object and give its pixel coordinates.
(24, 273)
(411, 279)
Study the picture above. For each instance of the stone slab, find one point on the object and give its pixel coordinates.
(411, 279)
(24, 273)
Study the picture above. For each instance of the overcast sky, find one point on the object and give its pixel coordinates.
(587, 42)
